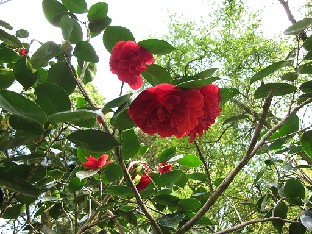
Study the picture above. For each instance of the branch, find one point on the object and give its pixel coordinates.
(291, 18)
(202, 158)
(3, 2)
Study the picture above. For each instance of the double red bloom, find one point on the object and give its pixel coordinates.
(93, 163)
(128, 60)
(164, 167)
(171, 111)
(142, 170)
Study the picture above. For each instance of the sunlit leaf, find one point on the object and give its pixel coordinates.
(85, 51)
(268, 70)
(72, 116)
(156, 46)
(53, 11)
(167, 154)
(155, 74)
(77, 6)
(114, 34)
(298, 26)
(279, 89)
(190, 160)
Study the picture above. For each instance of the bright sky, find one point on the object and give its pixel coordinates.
(142, 17)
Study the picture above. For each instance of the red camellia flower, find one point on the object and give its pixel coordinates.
(128, 60)
(212, 98)
(164, 167)
(93, 163)
(167, 110)
(144, 182)
(141, 170)
(23, 52)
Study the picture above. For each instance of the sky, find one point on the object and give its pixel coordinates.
(144, 18)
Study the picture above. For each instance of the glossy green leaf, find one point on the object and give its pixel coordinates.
(14, 211)
(23, 74)
(227, 94)
(76, 184)
(8, 55)
(61, 75)
(43, 55)
(22, 33)
(112, 172)
(297, 228)
(190, 160)
(156, 46)
(19, 184)
(171, 220)
(297, 27)
(294, 190)
(120, 190)
(290, 126)
(76, 6)
(6, 78)
(53, 11)
(306, 142)
(194, 84)
(167, 154)
(306, 87)
(10, 39)
(279, 89)
(168, 178)
(94, 140)
(72, 116)
(85, 51)
(5, 25)
(290, 76)
(24, 125)
(71, 29)
(114, 34)
(189, 204)
(21, 106)
(121, 120)
(52, 98)
(130, 144)
(206, 74)
(156, 74)
(268, 70)
(97, 11)
(117, 102)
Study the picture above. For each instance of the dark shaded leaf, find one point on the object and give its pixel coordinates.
(155, 74)
(22, 33)
(227, 94)
(10, 39)
(117, 102)
(297, 228)
(85, 51)
(112, 172)
(77, 6)
(76, 184)
(8, 55)
(171, 220)
(23, 74)
(16, 141)
(306, 87)
(194, 84)
(114, 34)
(24, 125)
(189, 204)
(5, 25)
(6, 78)
(294, 191)
(279, 89)
(297, 27)
(280, 211)
(52, 10)
(71, 29)
(290, 126)
(130, 144)
(167, 154)
(268, 70)
(120, 190)
(97, 11)
(14, 211)
(168, 178)
(308, 43)
(306, 142)
(290, 76)
(43, 55)
(156, 46)
(305, 68)
(121, 120)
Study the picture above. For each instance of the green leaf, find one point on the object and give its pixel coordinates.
(306, 87)
(294, 191)
(268, 70)
(198, 176)
(235, 118)
(94, 140)
(206, 74)
(71, 29)
(290, 126)
(290, 76)
(19, 184)
(171, 220)
(43, 55)
(308, 44)
(7, 55)
(117, 102)
(297, 228)
(167, 199)
(72, 116)
(280, 211)
(61, 74)
(16, 141)
(52, 98)
(155, 74)
(14, 211)
(21, 106)
(305, 68)
(130, 144)
(98, 11)
(168, 178)
(28, 157)
(189, 204)
(76, 6)
(227, 94)
(297, 27)
(53, 11)
(306, 142)
(96, 27)
(6, 78)
(22, 33)
(112, 172)
(55, 174)
(279, 89)
(308, 56)
(190, 160)
(120, 190)
(114, 34)
(194, 84)
(10, 39)
(23, 74)
(24, 125)
(167, 154)
(84, 51)
(156, 46)
(76, 184)
(5, 25)
(121, 120)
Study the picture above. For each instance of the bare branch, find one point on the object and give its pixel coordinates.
(4, 1)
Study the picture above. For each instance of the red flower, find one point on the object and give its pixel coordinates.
(93, 163)
(140, 170)
(128, 61)
(212, 98)
(167, 110)
(164, 167)
(23, 52)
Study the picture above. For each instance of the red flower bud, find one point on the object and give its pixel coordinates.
(23, 52)
(164, 167)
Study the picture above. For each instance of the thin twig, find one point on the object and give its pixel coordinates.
(206, 166)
